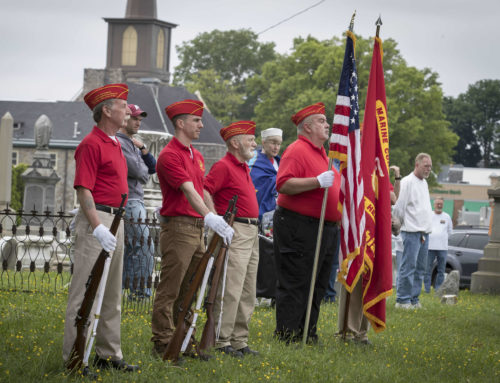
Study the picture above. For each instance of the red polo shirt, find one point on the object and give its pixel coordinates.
(229, 177)
(302, 159)
(174, 167)
(101, 168)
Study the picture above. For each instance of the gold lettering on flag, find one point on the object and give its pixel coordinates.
(370, 208)
(383, 129)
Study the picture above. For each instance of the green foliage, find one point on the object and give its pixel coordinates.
(310, 73)
(475, 117)
(17, 189)
(220, 95)
(440, 343)
(230, 57)
(235, 55)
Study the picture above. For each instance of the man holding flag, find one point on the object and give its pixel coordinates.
(302, 175)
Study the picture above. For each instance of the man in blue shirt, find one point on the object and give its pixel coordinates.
(265, 168)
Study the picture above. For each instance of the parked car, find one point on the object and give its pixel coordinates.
(465, 247)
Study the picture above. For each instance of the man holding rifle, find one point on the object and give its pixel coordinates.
(228, 177)
(302, 175)
(183, 215)
(100, 180)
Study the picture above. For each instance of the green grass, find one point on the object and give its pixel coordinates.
(439, 343)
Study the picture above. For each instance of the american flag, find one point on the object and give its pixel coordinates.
(345, 146)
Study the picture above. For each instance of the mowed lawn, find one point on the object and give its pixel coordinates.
(438, 343)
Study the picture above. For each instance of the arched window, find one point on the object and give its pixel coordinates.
(129, 47)
(160, 49)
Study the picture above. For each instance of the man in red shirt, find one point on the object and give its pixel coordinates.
(302, 175)
(100, 180)
(183, 215)
(228, 177)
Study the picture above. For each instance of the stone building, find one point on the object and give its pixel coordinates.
(138, 54)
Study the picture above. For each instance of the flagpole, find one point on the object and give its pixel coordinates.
(318, 241)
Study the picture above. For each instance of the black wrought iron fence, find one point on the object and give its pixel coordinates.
(36, 251)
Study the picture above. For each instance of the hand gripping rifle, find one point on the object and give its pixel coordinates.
(97, 281)
(182, 332)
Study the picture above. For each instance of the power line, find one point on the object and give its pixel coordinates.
(291, 17)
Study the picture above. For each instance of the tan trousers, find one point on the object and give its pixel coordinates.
(182, 247)
(87, 250)
(239, 295)
(357, 324)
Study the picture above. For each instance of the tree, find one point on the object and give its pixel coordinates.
(475, 117)
(220, 96)
(310, 73)
(17, 188)
(233, 55)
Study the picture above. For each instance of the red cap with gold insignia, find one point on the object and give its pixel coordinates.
(193, 107)
(236, 128)
(318, 108)
(106, 92)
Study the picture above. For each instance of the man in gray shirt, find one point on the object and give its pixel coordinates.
(138, 259)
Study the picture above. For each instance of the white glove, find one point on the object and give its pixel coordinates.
(217, 224)
(325, 179)
(105, 238)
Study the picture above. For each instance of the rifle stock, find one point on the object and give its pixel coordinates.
(175, 344)
(82, 317)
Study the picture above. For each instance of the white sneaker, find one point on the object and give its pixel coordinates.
(417, 305)
(406, 306)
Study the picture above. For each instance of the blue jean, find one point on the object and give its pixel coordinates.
(413, 266)
(440, 255)
(138, 258)
(330, 293)
(399, 255)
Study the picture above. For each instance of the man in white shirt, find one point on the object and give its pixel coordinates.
(413, 209)
(438, 244)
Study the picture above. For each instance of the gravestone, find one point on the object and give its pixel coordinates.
(40, 178)
(450, 285)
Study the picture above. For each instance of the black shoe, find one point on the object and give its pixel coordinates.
(88, 374)
(248, 351)
(116, 364)
(230, 351)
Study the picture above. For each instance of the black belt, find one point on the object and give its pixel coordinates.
(288, 212)
(250, 221)
(106, 209)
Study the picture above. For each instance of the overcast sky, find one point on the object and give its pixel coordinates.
(45, 45)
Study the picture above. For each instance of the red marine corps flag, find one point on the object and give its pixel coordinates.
(377, 281)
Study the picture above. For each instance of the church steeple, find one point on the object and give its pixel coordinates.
(141, 9)
(139, 44)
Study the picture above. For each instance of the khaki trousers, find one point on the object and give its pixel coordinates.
(240, 289)
(86, 252)
(357, 323)
(182, 247)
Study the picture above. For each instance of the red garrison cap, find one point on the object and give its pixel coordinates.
(318, 108)
(236, 128)
(136, 110)
(106, 92)
(193, 107)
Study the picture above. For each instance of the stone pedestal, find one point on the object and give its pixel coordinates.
(487, 278)
(6, 129)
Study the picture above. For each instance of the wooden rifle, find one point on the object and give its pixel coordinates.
(207, 340)
(184, 313)
(82, 321)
